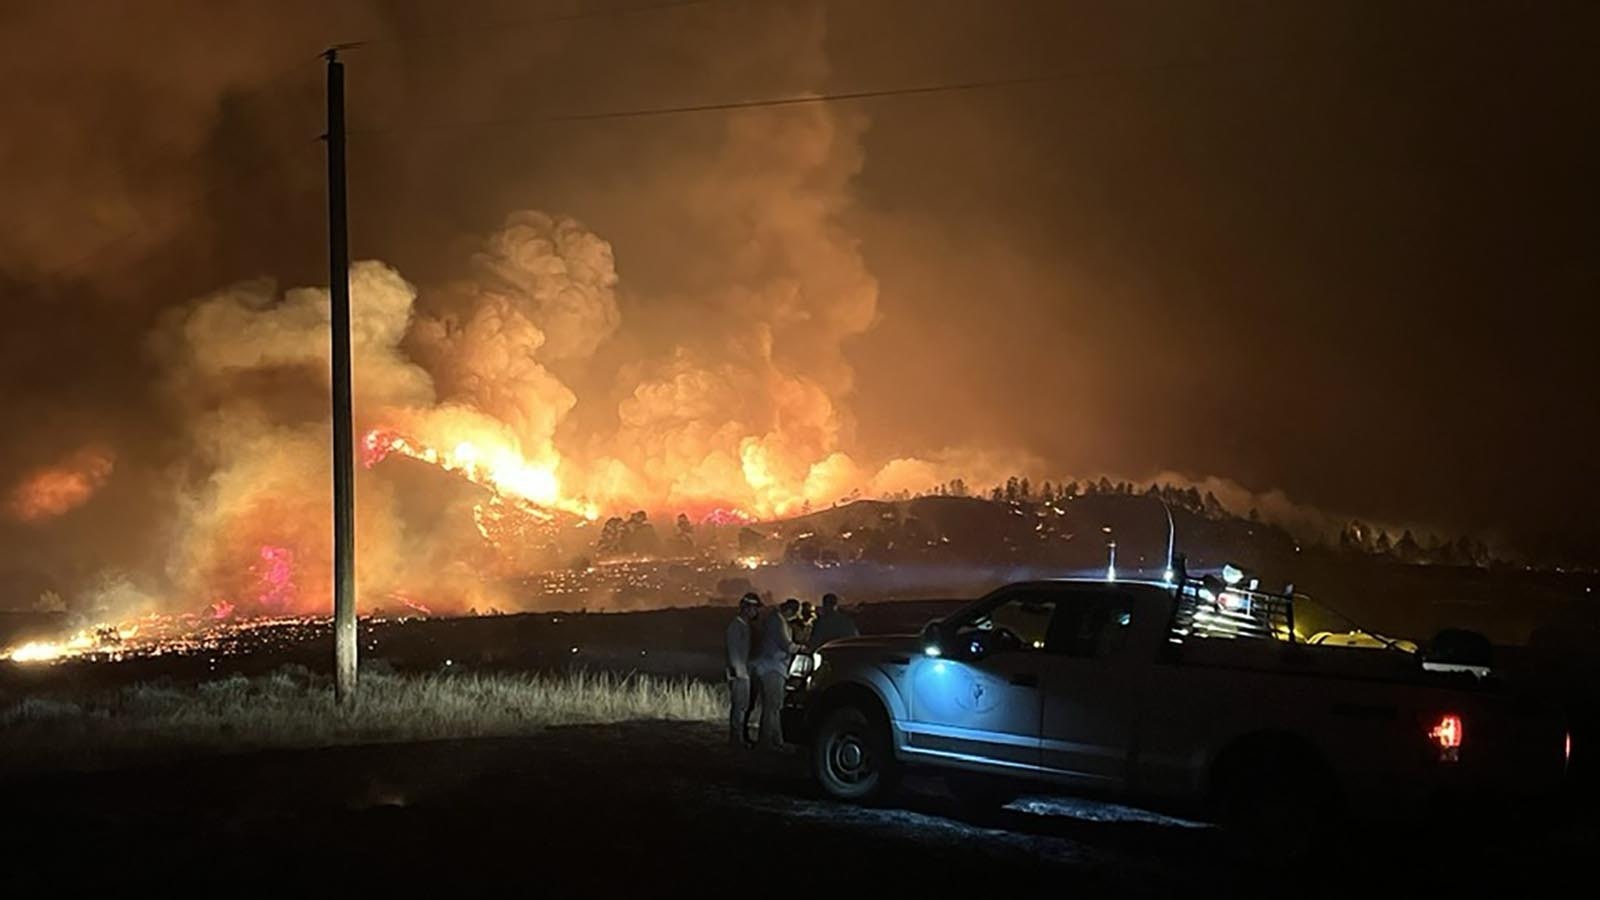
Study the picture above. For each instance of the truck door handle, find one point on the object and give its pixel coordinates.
(1025, 679)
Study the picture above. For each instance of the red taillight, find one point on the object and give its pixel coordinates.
(1448, 734)
(1566, 750)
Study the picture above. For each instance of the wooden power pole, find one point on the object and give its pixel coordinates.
(344, 472)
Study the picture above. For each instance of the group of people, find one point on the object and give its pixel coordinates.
(761, 643)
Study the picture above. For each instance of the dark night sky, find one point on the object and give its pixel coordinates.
(1344, 250)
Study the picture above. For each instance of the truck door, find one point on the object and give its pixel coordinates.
(1089, 694)
(980, 702)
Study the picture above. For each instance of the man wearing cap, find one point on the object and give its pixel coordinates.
(739, 700)
(774, 649)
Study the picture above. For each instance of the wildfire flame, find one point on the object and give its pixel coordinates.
(496, 466)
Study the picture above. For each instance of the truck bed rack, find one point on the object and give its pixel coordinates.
(1207, 610)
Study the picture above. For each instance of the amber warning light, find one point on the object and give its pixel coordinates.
(1448, 734)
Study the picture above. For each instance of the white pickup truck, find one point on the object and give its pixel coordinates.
(1196, 695)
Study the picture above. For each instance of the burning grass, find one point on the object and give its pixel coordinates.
(294, 708)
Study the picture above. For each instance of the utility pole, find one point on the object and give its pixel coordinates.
(344, 470)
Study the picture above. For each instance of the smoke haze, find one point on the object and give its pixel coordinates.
(1315, 260)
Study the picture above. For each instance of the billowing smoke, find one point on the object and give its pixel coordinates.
(748, 409)
(675, 313)
(725, 385)
(746, 406)
(247, 369)
(543, 290)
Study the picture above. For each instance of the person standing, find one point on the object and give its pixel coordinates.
(832, 623)
(740, 702)
(801, 627)
(774, 648)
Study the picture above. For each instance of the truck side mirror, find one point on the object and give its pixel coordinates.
(934, 639)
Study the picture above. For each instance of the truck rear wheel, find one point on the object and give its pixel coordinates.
(852, 758)
(1276, 804)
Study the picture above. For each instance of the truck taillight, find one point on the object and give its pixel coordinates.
(1448, 734)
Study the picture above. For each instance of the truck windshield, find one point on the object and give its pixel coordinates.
(1055, 620)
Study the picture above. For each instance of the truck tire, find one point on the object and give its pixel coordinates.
(852, 757)
(1277, 804)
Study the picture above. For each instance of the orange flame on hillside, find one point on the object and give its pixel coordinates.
(489, 463)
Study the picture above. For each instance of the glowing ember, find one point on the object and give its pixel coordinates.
(185, 635)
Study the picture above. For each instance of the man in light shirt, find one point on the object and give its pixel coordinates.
(739, 647)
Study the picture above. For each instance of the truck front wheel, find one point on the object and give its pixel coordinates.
(852, 757)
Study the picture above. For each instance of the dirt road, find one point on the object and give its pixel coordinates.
(654, 806)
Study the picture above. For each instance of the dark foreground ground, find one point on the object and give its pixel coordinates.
(667, 809)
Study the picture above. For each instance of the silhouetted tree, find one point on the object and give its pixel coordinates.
(1071, 490)
(638, 535)
(1441, 551)
(996, 494)
(1013, 489)
(610, 540)
(1213, 507)
(1104, 486)
(1407, 547)
(1255, 516)
(1024, 491)
(1381, 544)
(1047, 494)
(958, 488)
(1472, 552)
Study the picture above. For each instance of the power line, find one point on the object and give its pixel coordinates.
(762, 103)
(523, 121)
(811, 98)
(524, 24)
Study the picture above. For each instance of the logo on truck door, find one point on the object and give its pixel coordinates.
(975, 693)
